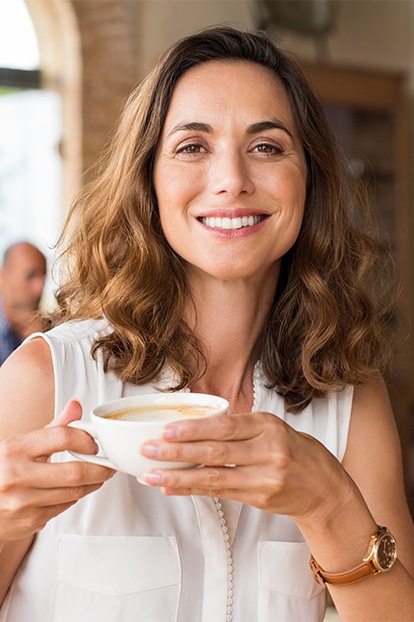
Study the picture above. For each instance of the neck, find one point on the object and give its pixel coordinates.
(229, 321)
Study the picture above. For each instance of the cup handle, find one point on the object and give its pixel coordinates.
(94, 459)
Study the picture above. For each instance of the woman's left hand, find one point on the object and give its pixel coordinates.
(256, 458)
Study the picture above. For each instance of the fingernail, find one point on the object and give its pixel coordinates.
(150, 450)
(170, 431)
(153, 477)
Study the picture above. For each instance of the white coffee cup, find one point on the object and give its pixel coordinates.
(121, 426)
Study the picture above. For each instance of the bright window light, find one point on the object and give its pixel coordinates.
(18, 42)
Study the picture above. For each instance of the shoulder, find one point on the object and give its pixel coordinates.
(31, 361)
(27, 388)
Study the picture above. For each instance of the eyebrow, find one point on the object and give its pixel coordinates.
(255, 128)
(263, 126)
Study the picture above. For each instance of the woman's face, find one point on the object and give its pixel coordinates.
(230, 172)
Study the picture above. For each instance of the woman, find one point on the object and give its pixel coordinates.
(220, 250)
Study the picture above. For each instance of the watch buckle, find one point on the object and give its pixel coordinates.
(314, 566)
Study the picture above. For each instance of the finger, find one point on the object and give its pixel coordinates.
(214, 481)
(71, 412)
(217, 427)
(30, 519)
(269, 442)
(36, 500)
(65, 475)
(220, 427)
(210, 453)
(26, 509)
(46, 441)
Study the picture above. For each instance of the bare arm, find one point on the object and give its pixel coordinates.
(12, 402)
(373, 460)
(32, 491)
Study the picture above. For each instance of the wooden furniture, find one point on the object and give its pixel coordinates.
(369, 112)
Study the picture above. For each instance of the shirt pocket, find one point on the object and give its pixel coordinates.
(287, 589)
(117, 578)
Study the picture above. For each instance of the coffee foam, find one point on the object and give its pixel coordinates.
(159, 412)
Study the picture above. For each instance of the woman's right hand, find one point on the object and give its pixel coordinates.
(32, 489)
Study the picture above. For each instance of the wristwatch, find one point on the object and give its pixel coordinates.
(380, 557)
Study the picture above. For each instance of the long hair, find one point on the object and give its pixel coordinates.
(329, 319)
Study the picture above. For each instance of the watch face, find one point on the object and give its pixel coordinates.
(386, 551)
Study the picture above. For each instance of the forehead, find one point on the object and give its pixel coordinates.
(229, 87)
(26, 258)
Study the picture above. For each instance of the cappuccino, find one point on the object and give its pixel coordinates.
(160, 412)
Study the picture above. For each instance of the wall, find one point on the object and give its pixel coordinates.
(369, 33)
(162, 22)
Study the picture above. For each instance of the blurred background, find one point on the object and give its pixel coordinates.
(67, 66)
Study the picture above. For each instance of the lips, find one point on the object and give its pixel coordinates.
(217, 222)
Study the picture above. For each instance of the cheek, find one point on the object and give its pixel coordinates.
(167, 225)
(166, 199)
(157, 185)
(289, 193)
(298, 192)
(293, 207)
(176, 183)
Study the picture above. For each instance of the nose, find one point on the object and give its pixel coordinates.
(229, 174)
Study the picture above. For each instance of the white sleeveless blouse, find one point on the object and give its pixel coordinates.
(127, 553)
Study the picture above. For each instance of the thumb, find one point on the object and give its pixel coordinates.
(71, 412)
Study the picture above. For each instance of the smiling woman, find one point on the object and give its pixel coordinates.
(222, 249)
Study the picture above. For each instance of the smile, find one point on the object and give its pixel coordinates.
(232, 223)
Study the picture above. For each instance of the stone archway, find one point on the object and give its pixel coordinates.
(61, 70)
(108, 38)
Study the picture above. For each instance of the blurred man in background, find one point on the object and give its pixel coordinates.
(22, 279)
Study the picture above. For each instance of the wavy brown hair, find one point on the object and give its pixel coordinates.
(330, 317)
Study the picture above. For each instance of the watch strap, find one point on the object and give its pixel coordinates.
(341, 578)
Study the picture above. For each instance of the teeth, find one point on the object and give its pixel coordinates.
(231, 223)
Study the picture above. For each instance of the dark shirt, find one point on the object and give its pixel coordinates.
(9, 340)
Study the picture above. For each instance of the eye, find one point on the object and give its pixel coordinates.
(191, 149)
(268, 149)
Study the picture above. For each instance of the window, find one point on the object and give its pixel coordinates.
(30, 134)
